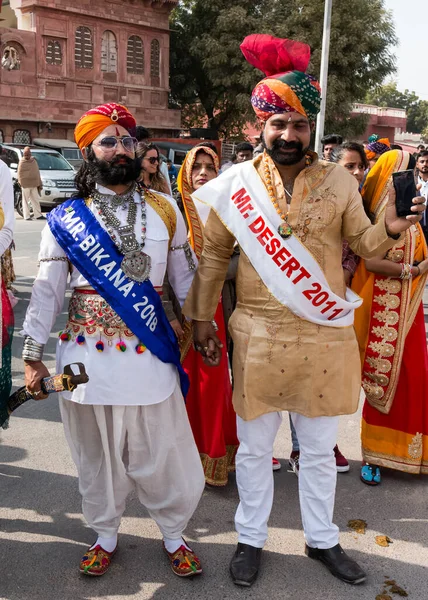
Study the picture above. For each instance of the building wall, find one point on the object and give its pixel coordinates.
(39, 93)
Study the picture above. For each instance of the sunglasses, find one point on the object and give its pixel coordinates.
(111, 142)
(153, 160)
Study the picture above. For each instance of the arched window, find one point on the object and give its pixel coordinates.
(155, 62)
(1, 136)
(109, 52)
(21, 136)
(135, 55)
(83, 48)
(11, 60)
(54, 53)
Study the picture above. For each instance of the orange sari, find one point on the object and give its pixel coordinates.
(209, 400)
(391, 334)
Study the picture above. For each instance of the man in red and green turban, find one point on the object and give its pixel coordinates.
(294, 344)
(287, 87)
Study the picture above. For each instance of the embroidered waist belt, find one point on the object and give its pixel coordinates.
(90, 316)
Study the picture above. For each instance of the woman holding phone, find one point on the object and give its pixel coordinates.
(391, 333)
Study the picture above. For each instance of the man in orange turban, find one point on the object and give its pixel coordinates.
(127, 428)
(93, 122)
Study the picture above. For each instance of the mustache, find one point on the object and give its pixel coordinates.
(283, 145)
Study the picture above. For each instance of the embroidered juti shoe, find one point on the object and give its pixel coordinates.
(184, 562)
(96, 561)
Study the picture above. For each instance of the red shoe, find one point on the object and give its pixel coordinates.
(342, 464)
(276, 465)
(293, 461)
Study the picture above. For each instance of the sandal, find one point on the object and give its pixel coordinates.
(96, 561)
(370, 474)
(184, 562)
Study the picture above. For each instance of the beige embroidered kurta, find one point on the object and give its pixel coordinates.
(282, 362)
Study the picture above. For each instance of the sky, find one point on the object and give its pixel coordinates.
(411, 26)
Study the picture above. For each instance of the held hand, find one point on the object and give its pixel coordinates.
(34, 373)
(423, 266)
(395, 225)
(207, 343)
(178, 330)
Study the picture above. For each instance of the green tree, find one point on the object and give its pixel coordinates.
(389, 95)
(210, 79)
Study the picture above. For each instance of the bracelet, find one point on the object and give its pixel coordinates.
(419, 271)
(32, 351)
(406, 271)
(214, 324)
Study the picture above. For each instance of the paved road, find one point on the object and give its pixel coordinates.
(42, 534)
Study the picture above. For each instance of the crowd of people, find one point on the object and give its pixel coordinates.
(285, 282)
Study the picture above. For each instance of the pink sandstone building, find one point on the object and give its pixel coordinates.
(60, 58)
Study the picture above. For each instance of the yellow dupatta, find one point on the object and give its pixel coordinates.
(194, 223)
(184, 184)
(389, 304)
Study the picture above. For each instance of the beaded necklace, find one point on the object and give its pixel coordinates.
(284, 229)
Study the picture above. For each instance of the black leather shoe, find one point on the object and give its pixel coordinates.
(244, 566)
(338, 563)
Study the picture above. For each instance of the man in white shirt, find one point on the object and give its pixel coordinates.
(422, 168)
(127, 427)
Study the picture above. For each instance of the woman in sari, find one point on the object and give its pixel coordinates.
(391, 333)
(7, 222)
(209, 401)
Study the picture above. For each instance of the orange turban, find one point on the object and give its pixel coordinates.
(97, 119)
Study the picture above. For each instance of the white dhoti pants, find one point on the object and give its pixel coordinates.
(150, 448)
(31, 195)
(317, 478)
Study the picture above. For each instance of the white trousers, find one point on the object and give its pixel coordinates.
(317, 478)
(150, 448)
(31, 195)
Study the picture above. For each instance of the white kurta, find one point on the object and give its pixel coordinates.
(115, 377)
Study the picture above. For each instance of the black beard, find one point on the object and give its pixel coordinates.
(112, 173)
(282, 159)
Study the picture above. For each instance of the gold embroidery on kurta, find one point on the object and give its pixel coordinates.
(272, 330)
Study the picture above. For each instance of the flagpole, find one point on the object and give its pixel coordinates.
(324, 74)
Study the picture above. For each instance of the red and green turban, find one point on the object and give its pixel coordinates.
(287, 88)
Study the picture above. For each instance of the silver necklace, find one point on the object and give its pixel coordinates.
(136, 264)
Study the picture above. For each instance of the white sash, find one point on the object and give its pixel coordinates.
(286, 267)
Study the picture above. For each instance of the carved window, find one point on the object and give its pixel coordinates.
(155, 62)
(10, 60)
(135, 55)
(54, 53)
(21, 136)
(83, 48)
(109, 52)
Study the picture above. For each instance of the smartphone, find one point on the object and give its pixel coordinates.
(405, 190)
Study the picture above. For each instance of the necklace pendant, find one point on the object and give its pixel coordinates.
(285, 230)
(136, 265)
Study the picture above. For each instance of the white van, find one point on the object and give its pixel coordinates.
(56, 172)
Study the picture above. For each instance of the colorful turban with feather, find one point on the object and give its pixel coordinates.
(287, 87)
(93, 122)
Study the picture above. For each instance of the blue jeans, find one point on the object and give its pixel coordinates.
(294, 440)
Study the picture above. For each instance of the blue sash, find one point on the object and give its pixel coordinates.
(91, 250)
